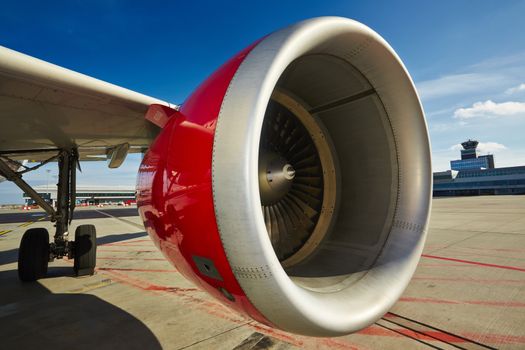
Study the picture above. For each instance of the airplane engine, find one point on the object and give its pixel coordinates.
(294, 184)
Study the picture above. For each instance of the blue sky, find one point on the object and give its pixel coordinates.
(467, 58)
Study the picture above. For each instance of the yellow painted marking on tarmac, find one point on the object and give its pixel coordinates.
(23, 225)
(26, 224)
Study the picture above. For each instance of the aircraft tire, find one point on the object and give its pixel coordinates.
(85, 250)
(33, 255)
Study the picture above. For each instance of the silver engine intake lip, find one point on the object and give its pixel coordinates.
(356, 91)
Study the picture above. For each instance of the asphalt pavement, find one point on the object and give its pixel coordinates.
(79, 214)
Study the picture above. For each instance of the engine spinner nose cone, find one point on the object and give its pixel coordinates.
(275, 177)
(289, 172)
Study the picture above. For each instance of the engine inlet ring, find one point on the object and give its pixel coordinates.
(383, 157)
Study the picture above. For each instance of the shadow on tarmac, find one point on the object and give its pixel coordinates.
(34, 318)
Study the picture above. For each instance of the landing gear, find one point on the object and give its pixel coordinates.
(35, 250)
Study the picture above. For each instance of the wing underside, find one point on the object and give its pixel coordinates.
(44, 108)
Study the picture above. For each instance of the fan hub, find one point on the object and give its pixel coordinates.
(297, 179)
(275, 177)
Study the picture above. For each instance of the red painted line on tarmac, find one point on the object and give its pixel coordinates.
(169, 289)
(504, 250)
(496, 303)
(469, 280)
(408, 333)
(124, 258)
(221, 311)
(334, 343)
(496, 249)
(420, 334)
(127, 251)
(475, 263)
(278, 334)
(497, 338)
(133, 270)
(124, 244)
(303, 341)
(378, 331)
(144, 285)
(459, 302)
(444, 337)
(136, 241)
(481, 254)
(187, 294)
(428, 334)
(465, 337)
(441, 265)
(433, 335)
(427, 300)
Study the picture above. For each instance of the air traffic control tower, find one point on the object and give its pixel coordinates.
(475, 175)
(470, 160)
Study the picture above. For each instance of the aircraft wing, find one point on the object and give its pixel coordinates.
(47, 107)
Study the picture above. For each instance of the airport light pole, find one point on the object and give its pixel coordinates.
(47, 179)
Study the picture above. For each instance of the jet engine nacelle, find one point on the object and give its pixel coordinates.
(294, 184)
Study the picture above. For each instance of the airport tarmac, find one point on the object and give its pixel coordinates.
(467, 293)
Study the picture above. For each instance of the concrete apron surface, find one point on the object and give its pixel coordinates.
(468, 292)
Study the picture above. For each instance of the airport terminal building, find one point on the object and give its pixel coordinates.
(89, 194)
(475, 175)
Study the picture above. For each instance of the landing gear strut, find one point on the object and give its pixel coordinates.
(35, 250)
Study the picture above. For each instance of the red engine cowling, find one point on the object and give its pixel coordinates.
(294, 184)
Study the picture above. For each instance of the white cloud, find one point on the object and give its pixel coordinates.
(457, 84)
(483, 147)
(515, 89)
(491, 147)
(490, 109)
(486, 78)
(435, 113)
(501, 62)
(514, 157)
(441, 127)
